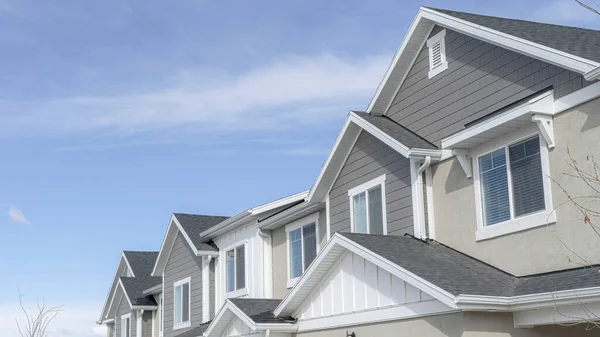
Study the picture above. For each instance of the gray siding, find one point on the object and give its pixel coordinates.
(481, 78)
(147, 324)
(181, 264)
(369, 159)
(124, 309)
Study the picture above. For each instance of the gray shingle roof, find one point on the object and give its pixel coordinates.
(195, 332)
(142, 264)
(459, 274)
(396, 131)
(260, 310)
(194, 224)
(576, 41)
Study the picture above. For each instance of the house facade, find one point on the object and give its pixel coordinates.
(452, 206)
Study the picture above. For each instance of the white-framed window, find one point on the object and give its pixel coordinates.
(182, 301)
(437, 53)
(126, 325)
(367, 207)
(302, 246)
(512, 184)
(235, 270)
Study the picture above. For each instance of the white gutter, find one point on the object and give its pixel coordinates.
(234, 220)
(592, 75)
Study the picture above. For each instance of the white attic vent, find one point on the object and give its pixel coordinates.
(437, 53)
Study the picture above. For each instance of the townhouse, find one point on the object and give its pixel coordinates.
(440, 210)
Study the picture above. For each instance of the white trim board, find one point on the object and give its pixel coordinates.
(419, 31)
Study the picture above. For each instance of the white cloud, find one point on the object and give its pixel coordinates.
(77, 319)
(17, 215)
(564, 12)
(292, 91)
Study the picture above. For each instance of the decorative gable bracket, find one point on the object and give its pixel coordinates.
(464, 160)
(546, 125)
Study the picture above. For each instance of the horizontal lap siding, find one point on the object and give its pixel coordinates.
(182, 263)
(125, 309)
(481, 78)
(369, 159)
(147, 324)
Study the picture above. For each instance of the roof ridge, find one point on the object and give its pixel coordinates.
(511, 19)
(206, 215)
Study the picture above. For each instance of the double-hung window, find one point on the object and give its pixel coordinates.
(367, 207)
(181, 310)
(512, 187)
(302, 246)
(126, 325)
(235, 265)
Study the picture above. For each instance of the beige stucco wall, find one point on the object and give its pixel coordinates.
(536, 250)
(279, 242)
(453, 325)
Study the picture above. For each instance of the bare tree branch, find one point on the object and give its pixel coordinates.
(36, 325)
(591, 8)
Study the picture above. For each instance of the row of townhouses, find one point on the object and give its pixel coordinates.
(444, 209)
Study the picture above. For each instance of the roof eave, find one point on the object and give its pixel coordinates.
(426, 18)
(225, 225)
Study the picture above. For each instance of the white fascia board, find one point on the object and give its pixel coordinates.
(377, 133)
(128, 265)
(153, 291)
(225, 225)
(527, 302)
(576, 98)
(285, 216)
(516, 44)
(279, 203)
(106, 321)
(567, 314)
(592, 75)
(163, 254)
(405, 275)
(185, 235)
(111, 290)
(144, 307)
(427, 18)
(277, 327)
(330, 158)
(402, 50)
(125, 294)
(542, 104)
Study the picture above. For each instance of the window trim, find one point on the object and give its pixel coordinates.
(188, 323)
(525, 222)
(441, 39)
(300, 223)
(126, 316)
(242, 291)
(364, 187)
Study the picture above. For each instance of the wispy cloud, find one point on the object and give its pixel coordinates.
(564, 12)
(17, 215)
(293, 91)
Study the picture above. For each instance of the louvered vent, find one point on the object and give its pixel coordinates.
(437, 54)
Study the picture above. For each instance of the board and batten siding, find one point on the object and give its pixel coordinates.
(369, 159)
(182, 263)
(481, 78)
(355, 284)
(125, 309)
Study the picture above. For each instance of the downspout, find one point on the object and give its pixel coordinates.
(268, 333)
(266, 265)
(420, 171)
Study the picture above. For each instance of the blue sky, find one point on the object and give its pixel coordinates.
(116, 113)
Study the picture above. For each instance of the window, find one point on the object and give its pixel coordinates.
(437, 54)
(181, 310)
(512, 186)
(126, 325)
(235, 262)
(302, 246)
(367, 207)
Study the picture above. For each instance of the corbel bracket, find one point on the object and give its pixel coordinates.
(464, 160)
(546, 126)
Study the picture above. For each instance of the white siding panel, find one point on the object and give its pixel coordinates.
(371, 286)
(354, 285)
(384, 287)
